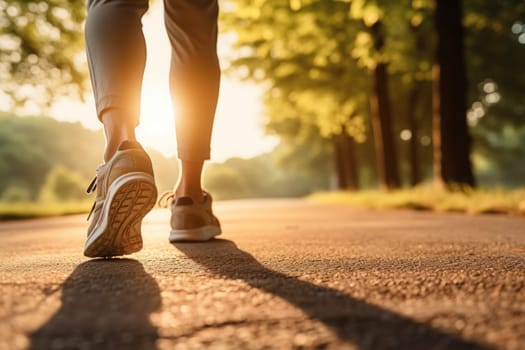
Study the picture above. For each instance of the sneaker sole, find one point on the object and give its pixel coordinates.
(200, 234)
(130, 197)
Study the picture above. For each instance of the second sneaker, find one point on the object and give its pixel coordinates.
(191, 221)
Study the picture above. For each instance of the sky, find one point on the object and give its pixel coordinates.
(238, 130)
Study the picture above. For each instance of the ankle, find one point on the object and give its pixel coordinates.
(189, 184)
(196, 194)
(109, 153)
(113, 144)
(117, 130)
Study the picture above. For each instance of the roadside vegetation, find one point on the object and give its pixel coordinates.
(19, 211)
(472, 201)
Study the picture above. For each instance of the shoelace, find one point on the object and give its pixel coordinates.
(166, 198)
(91, 188)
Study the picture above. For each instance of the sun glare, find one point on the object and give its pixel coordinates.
(157, 126)
(237, 129)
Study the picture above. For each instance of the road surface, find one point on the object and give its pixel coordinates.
(286, 274)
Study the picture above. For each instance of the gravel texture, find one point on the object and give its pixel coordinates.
(286, 274)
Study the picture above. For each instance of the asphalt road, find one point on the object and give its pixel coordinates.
(285, 274)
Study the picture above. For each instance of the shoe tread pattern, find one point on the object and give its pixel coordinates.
(122, 236)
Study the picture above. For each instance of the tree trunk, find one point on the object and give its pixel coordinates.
(351, 162)
(413, 98)
(436, 129)
(452, 142)
(345, 162)
(340, 167)
(382, 121)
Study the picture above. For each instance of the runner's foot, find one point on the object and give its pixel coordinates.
(192, 221)
(126, 192)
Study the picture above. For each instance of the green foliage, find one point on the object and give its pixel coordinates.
(63, 185)
(20, 163)
(300, 48)
(15, 194)
(316, 55)
(497, 107)
(314, 58)
(226, 182)
(41, 50)
(280, 173)
(36, 151)
(31, 146)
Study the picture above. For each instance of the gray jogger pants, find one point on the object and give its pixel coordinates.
(116, 53)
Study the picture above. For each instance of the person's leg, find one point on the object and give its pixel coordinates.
(116, 55)
(194, 84)
(117, 128)
(189, 183)
(124, 184)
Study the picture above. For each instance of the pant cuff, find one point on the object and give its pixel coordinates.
(116, 102)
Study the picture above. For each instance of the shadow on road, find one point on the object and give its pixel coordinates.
(354, 321)
(106, 304)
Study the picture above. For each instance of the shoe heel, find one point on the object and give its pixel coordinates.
(129, 204)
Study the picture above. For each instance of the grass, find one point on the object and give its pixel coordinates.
(495, 201)
(19, 211)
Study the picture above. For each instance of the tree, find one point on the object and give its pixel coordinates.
(452, 141)
(496, 107)
(297, 121)
(418, 74)
(345, 162)
(41, 50)
(381, 116)
(301, 48)
(374, 55)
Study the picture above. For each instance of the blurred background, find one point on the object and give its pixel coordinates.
(317, 95)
